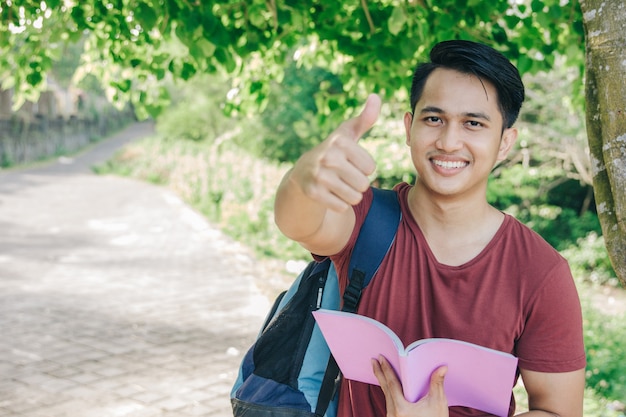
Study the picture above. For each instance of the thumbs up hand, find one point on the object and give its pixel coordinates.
(335, 173)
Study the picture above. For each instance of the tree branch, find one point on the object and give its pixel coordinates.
(368, 16)
(271, 5)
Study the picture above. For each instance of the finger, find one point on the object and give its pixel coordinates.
(391, 379)
(437, 384)
(355, 174)
(346, 183)
(378, 373)
(382, 380)
(361, 159)
(346, 161)
(364, 121)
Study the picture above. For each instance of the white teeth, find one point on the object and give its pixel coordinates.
(450, 164)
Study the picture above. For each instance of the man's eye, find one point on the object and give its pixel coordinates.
(432, 119)
(474, 123)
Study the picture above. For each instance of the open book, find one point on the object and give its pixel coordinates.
(477, 377)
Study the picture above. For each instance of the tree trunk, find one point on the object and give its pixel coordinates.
(605, 30)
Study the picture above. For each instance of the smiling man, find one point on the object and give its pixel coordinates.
(459, 268)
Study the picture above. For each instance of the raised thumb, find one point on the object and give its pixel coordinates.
(364, 121)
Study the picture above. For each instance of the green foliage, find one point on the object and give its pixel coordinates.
(134, 45)
(290, 117)
(518, 190)
(386, 142)
(195, 116)
(606, 357)
(589, 260)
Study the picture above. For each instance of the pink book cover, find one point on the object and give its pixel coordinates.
(477, 377)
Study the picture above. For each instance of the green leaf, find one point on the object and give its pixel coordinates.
(257, 15)
(544, 20)
(78, 16)
(512, 21)
(146, 16)
(123, 86)
(255, 87)
(446, 22)
(159, 59)
(555, 12)
(221, 37)
(537, 6)
(397, 20)
(524, 63)
(484, 13)
(184, 34)
(188, 70)
(34, 78)
(499, 34)
(159, 73)
(202, 48)
(225, 58)
(210, 23)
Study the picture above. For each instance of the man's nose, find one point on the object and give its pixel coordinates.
(449, 139)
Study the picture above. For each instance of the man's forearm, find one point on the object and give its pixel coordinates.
(296, 215)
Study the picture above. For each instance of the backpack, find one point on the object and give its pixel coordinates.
(288, 371)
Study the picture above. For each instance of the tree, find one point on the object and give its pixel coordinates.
(370, 45)
(606, 119)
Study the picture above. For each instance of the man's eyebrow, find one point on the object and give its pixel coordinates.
(478, 115)
(473, 115)
(432, 109)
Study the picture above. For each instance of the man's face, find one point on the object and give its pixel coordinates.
(455, 133)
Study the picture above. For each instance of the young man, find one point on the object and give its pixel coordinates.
(459, 268)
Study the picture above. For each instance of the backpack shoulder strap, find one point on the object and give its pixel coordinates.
(375, 238)
(377, 234)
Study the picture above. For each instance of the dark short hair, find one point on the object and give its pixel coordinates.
(480, 60)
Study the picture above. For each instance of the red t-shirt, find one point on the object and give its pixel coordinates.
(516, 296)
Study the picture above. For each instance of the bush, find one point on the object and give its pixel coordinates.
(590, 261)
(291, 125)
(193, 116)
(524, 193)
(606, 357)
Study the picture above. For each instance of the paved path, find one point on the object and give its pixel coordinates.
(116, 299)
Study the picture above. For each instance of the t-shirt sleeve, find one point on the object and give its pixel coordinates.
(552, 340)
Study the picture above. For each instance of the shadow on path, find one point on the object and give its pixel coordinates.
(116, 298)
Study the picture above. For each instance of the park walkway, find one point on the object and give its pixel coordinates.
(116, 299)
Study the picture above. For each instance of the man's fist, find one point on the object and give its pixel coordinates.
(335, 173)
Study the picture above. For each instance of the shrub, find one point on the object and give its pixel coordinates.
(606, 357)
(589, 260)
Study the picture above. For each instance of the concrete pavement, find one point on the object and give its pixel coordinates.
(116, 299)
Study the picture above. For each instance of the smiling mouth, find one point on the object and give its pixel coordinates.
(450, 164)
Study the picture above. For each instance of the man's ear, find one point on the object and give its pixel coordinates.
(408, 122)
(509, 136)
